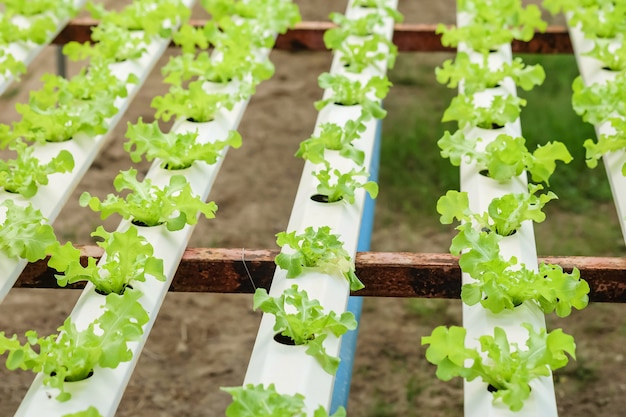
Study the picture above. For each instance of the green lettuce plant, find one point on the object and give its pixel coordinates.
(506, 367)
(176, 150)
(128, 259)
(174, 205)
(304, 322)
(73, 354)
(25, 173)
(319, 250)
(260, 401)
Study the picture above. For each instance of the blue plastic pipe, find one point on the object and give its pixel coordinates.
(341, 388)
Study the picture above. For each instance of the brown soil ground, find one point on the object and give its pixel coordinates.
(203, 341)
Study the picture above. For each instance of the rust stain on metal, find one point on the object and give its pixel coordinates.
(407, 37)
(399, 274)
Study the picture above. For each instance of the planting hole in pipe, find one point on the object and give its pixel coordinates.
(286, 340)
(169, 167)
(142, 224)
(192, 120)
(78, 378)
(98, 291)
(323, 198)
(491, 126)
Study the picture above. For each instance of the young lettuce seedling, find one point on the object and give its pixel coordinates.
(274, 16)
(308, 325)
(350, 93)
(477, 77)
(597, 19)
(72, 355)
(24, 174)
(500, 284)
(231, 65)
(111, 43)
(380, 6)
(336, 138)
(614, 59)
(493, 24)
(506, 367)
(502, 109)
(60, 8)
(504, 214)
(505, 157)
(357, 56)
(173, 205)
(176, 150)
(317, 249)
(154, 18)
(25, 233)
(193, 103)
(615, 141)
(63, 108)
(336, 185)
(259, 401)
(129, 258)
(598, 102)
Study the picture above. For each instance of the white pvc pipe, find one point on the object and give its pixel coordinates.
(288, 367)
(27, 51)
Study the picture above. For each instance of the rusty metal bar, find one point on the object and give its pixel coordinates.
(429, 275)
(408, 37)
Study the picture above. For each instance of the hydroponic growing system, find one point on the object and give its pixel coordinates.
(504, 352)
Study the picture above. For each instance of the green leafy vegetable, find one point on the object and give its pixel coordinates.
(350, 93)
(259, 401)
(505, 157)
(493, 23)
(356, 56)
(500, 284)
(154, 18)
(308, 324)
(72, 354)
(507, 367)
(193, 103)
(615, 141)
(477, 77)
(269, 15)
(237, 64)
(333, 137)
(128, 259)
(336, 185)
(318, 249)
(597, 19)
(502, 109)
(505, 214)
(175, 205)
(24, 174)
(63, 108)
(176, 150)
(613, 58)
(24, 233)
(111, 43)
(597, 102)
(381, 6)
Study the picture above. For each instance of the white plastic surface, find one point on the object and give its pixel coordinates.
(270, 361)
(26, 52)
(477, 320)
(592, 72)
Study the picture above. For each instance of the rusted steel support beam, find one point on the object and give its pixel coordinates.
(408, 37)
(425, 275)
